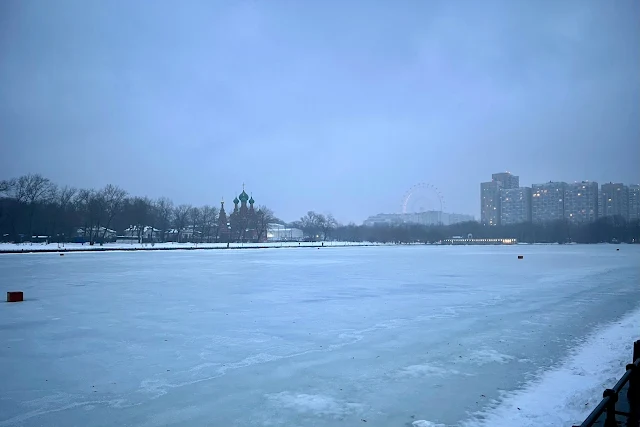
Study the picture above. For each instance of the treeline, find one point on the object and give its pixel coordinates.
(32, 205)
(607, 229)
(316, 226)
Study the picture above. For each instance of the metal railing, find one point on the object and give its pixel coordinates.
(607, 405)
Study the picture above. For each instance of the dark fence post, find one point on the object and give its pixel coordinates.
(610, 417)
(633, 393)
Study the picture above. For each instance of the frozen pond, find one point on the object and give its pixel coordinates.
(316, 337)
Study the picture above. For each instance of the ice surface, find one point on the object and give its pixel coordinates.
(394, 336)
(425, 423)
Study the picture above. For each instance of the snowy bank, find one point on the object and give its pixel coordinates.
(567, 394)
(78, 247)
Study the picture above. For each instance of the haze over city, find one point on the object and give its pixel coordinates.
(331, 106)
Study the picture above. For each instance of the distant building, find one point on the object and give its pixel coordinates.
(490, 202)
(515, 205)
(95, 234)
(454, 218)
(506, 179)
(634, 202)
(146, 233)
(382, 219)
(581, 202)
(547, 201)
(490, 198)
(187, 234)
(614, 200)
(279, 233)
(241, 225)
(422, 218)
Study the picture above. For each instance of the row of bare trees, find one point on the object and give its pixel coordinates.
(32, 205)
(604, 230)
(317, 226)
(609, 229)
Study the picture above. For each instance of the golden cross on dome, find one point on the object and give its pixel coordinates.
(243, 186)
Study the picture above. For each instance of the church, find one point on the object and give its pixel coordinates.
(241, 224)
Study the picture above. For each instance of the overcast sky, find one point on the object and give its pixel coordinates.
(333, 106)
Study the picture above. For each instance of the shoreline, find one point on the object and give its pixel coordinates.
(181, 247)
(112, 247)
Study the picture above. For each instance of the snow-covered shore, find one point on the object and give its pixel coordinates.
(78, 247)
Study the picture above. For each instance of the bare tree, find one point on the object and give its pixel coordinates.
(181, 218)
(63, 201)
(350, 232)
(82, 201)
(239, 225)
(311, 224)
(4, 189)
(195, 216)
(327, 224)
(65, 196)
(140, 210)
(4, 186)
(9, 208)
(295, 224)
(208, 221)
(91, 205)
(113, 197)
(264, 217)
(152, 218)
(164, 211)
(31, 190)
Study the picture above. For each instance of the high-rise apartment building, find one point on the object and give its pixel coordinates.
(634, 202)
(506, 179)
(490, 196)
(515, 205)
(547, 201)
(581, 202)
(614, 200)
(490, 202)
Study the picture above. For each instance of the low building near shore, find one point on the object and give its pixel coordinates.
(140, 233)
(85, 234)
(281, 233)
(458, 240)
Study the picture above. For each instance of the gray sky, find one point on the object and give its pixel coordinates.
(327, 105)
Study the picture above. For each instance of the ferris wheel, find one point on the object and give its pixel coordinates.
(422, 197)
